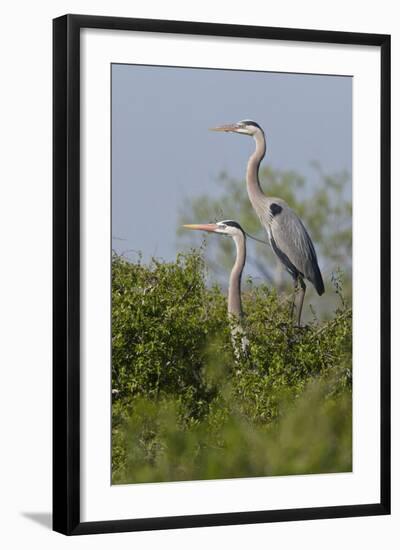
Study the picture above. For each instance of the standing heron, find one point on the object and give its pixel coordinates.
(235, 311)
(287, 235)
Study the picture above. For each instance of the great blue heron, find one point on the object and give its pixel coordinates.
(235, 311)
(288, 237)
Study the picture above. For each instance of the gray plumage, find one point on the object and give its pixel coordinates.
(292, 244)
(287, 235)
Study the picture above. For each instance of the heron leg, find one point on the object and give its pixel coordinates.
(300, 298)
(295, 288)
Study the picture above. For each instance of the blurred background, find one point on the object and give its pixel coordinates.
(168, 169)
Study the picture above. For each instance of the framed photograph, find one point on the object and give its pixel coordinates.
(221, 298)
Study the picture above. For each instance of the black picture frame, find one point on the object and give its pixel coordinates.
(66, 273)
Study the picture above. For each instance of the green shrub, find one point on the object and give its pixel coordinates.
(185, 408)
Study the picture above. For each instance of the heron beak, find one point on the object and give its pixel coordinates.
(225, 128)
(210, 227)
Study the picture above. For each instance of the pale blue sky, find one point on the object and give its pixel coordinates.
(162, 150)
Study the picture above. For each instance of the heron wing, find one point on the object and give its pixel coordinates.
(293, 245)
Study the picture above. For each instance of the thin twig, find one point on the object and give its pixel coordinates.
(331, 323)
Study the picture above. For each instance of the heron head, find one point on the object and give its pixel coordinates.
(225, 227)
(246, 127)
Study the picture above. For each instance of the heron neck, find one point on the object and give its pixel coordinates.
(234, 293)
(253, 183)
